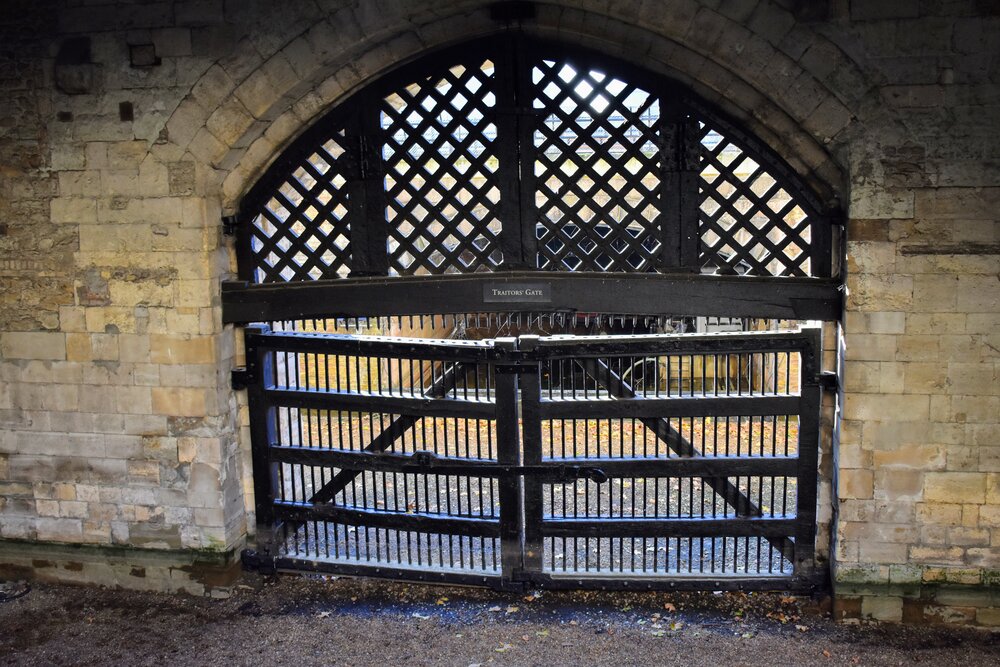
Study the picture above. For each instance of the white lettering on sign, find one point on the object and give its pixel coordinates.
(514, 292)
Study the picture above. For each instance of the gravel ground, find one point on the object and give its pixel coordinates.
(324, 621)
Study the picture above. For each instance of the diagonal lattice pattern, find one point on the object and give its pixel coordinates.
(597, 171)
(491, 160)
(440, 173)
(748, 223)
(302, 231)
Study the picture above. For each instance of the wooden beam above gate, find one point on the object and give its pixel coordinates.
(536, 291)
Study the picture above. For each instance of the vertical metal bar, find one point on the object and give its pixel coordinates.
(529, 381)
(509, 208)
(671, 135)
(246, 267)
(690, 198)
(508, 452)
(821, 252)
(808, 451)
(527, 118)
(263, 432)
(372, 171)
(357, 216)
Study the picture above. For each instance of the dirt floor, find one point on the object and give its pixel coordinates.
(315, 621)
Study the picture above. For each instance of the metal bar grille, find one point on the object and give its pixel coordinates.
(352, 397)
(644, 522)
(650, 457)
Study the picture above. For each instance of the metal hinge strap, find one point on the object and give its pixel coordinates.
(828, 380)
(229, 224)
(240, 378)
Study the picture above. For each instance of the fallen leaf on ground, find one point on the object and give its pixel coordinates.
(442, 600)
(676, 625)
(495, 609)
(422, 617)
(802, 628)
(323, 614)
(669, 607)
(504, 648)
(542, 633)
(512, 609)
(826, 653)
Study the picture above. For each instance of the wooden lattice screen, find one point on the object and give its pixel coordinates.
(510, 154)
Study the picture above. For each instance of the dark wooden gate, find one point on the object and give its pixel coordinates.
(516, 176)
(657, 461)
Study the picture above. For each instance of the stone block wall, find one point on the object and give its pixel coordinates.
(127, 129)
(116, 422)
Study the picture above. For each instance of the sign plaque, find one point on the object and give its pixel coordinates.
(517, 293)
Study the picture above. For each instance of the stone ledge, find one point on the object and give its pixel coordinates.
(919, 603)
(195, 572)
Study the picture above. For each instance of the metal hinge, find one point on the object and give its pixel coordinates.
(240, 378)
(229, 224)
(257, 562)
(828, 380)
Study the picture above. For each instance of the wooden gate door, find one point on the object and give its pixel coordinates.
(660, 461)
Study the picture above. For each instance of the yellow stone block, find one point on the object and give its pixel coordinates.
(170, 349)
(856, 484)
(993, 488)
(33, 345)
(887, 407)
(181, 402)
(898, 484)
(187, 449)
(918, 458)
(955, 487)
(78, 347)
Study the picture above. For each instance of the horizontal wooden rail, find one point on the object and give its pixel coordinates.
(721, 527)
(646, 293)
(380, 403)
(639, 407)
(433, 523)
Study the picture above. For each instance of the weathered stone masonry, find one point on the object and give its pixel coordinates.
(120, 152)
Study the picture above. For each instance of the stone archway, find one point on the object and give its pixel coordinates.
(509, 122)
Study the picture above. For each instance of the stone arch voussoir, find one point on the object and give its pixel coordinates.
(756, 66)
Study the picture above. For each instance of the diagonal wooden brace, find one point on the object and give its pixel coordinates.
(678, 444)
(385, 440)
